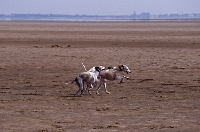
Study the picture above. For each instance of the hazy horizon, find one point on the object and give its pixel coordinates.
(99, 7)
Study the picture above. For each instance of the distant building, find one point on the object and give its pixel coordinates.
(134, 15)
(145, 15)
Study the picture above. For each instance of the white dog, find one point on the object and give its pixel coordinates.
(87, 77)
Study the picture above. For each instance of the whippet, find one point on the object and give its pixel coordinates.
(113, 73)
(87, 77)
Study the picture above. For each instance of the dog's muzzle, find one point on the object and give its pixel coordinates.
(128, 72)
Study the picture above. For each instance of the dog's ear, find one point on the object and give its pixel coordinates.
(97, 68)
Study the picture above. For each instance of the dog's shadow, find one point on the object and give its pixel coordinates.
(70, 96)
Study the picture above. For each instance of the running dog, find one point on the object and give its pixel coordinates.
(88, 77)
(113, 73)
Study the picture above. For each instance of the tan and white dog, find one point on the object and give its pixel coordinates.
(112, 73)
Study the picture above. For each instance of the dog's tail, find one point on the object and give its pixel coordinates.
(71, 82)
(84, 67)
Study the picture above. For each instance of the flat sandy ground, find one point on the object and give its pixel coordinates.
(163, 93)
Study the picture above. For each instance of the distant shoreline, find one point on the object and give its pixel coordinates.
(103, 20)
(132, 17)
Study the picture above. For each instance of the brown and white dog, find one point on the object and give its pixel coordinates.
(112, 73)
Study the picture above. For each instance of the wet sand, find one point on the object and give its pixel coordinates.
(162, 94)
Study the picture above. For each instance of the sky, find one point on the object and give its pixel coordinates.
(99, 7)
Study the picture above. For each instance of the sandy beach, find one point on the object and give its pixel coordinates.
(162, 94)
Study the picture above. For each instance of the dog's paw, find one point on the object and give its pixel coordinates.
(107, 92)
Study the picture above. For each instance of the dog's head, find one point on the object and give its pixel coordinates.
(124, 68)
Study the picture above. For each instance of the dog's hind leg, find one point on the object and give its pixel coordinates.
(77, 93)
(97, 92)
(104, 83)
(84, 89)
(101, 82)
(79, 82)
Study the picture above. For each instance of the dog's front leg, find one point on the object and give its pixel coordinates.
(104, 84)
(121, 78)
(126, 77)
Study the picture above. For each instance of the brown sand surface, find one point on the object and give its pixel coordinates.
(162, 94)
